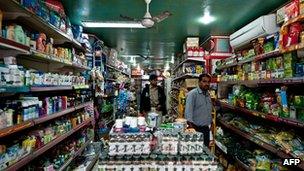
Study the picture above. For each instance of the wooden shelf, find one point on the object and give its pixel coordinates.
(7, 44)
(76, 154)
(295, 80)
(186, 76)
(25, 160)
(17, 128)
(13, 10)
(254, 58)
(189, 59)
(264, 145)
(270, 117)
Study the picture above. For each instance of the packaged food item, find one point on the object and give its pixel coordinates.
(292, 10)
(1, 18)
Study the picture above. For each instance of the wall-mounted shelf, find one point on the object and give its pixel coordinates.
(189, 59)
(295, 80)
(186, 76)
(28, 158)
(117, 70)
(76, 154)
(252, 59)
(7, 44)
(270, 117)
(14, 10)
(17, 128)
(250, 136)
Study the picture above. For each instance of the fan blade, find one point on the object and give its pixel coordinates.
(128, 18)
(142, 56)
(162, 16)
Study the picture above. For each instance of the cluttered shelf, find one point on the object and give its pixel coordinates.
(17, 128)
(295, 80)
(27, 89)
(12, 45)
(25, 160)
(270, 117)
(112, 67)
(76, 154)
(251, 137)
(31, 19)
(186, 76)
(92, 164)
(223, 149)
(251, 59)
(189, 59)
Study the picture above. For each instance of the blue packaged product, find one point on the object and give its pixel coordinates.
(276, 40)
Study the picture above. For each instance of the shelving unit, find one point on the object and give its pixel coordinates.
(17, 128)
(295, 80)
(188, 59)
(76, 154)
(25, 160)
(252, 59)
(122, 72)
(30, 19)
(6, 44)
(250, 136)
(186, 76)
(270, 117)
(92, 164)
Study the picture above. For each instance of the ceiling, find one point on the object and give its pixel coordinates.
(166, 38)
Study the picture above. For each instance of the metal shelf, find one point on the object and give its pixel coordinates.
(270, 117)
(17, 128)
(295, 80)
(19, 164)
(15, 11)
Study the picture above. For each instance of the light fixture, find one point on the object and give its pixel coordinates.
(207, 18)
(122, 24)
(167, 67)
(138, 67)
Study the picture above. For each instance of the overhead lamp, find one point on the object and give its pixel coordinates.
(122, 24)
(207, 18)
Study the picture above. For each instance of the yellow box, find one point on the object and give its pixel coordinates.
(191, 82)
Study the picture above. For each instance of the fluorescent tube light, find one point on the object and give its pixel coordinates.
(112, 24)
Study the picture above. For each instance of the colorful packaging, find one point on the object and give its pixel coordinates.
(292, 10)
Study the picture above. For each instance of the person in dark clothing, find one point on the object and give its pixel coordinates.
(153, 96)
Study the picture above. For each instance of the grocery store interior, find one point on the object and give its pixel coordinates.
(151, 85)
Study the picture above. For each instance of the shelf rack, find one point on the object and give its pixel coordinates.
(295, 80)
(189, 59)
(17, 128)
(15, 11)
(186, 76)
(28, 158)
(250, 136)
(270, 117)
(112, 67)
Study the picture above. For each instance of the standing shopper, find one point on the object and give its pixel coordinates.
(199, 107)
(153, 96)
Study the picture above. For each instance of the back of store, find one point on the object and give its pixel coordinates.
(115, 85)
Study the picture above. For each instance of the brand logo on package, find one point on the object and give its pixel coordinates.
(291, 162)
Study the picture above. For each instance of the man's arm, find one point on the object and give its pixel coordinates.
(142, 96)
(189, 109)
(163, 101)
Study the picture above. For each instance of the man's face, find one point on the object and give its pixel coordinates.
(205, 83)
(153, 82)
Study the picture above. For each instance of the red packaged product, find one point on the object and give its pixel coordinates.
(292, 10)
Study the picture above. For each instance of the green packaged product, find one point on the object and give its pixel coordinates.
(288, 61)
(268, 47)
(288, 73)
(300, 114)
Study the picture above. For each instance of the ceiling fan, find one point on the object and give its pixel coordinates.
(149, 21)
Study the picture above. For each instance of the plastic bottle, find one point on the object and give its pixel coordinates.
(27, 78)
